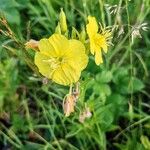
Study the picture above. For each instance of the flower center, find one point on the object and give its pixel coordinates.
(60, 59)
(54, 62)
(99, 40)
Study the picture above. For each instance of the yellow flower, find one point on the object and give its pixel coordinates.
(60, 59)
(98, 41)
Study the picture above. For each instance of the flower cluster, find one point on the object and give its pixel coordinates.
(62, 58)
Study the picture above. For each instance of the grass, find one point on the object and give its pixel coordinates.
(117, 91)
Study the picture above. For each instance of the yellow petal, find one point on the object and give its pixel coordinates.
(94, 47)
(105, 48)
(60, 77)
(60, 44)
(91, 27)
(72, 74)
(102, 42)
(46, 48)
(98, 57)
(76, 56)
(44, 68)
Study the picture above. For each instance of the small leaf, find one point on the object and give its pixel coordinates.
(102, 89)
(104, 77)
(104, 116)
(145, 141)
(129, 85)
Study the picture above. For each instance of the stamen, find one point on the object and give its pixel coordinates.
(54, 62)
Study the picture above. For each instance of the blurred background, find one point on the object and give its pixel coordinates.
(117, 92)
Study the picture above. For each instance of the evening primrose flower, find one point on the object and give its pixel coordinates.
(98, 41)
(60, 59)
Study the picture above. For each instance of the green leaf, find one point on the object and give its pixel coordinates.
(13, 16)
(130, 85)
(118, 104)
(32, 146)
(104, 77)
(5, 4)
(9, 9)
(18, 123)
(104, 116)
(145, 141)
(102, 89)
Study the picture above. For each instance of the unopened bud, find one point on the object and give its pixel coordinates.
(58, 29)
(83, 35)
(63, 22)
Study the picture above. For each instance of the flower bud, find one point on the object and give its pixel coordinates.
(63, 22)
(83, 35)
(58, 29)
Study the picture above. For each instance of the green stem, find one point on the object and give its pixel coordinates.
(131, 57)
(101, 3)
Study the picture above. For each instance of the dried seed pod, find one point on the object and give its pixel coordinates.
(69, 104)
(85, 114)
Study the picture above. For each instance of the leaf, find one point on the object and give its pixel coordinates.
(9, 9)
(4, 4)
(104, 77)
(19, 123)
(138, 85)
(119, 74)
(118, 104)
(145, 141)
(73, 132)
(32, 146)
(116, 99)
(104, 116)
(129, 85)
(12, 16)
(102, 89)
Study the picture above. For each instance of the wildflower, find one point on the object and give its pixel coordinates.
(63, 22)
(69, 104)
(60, 59)
(98, 41)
